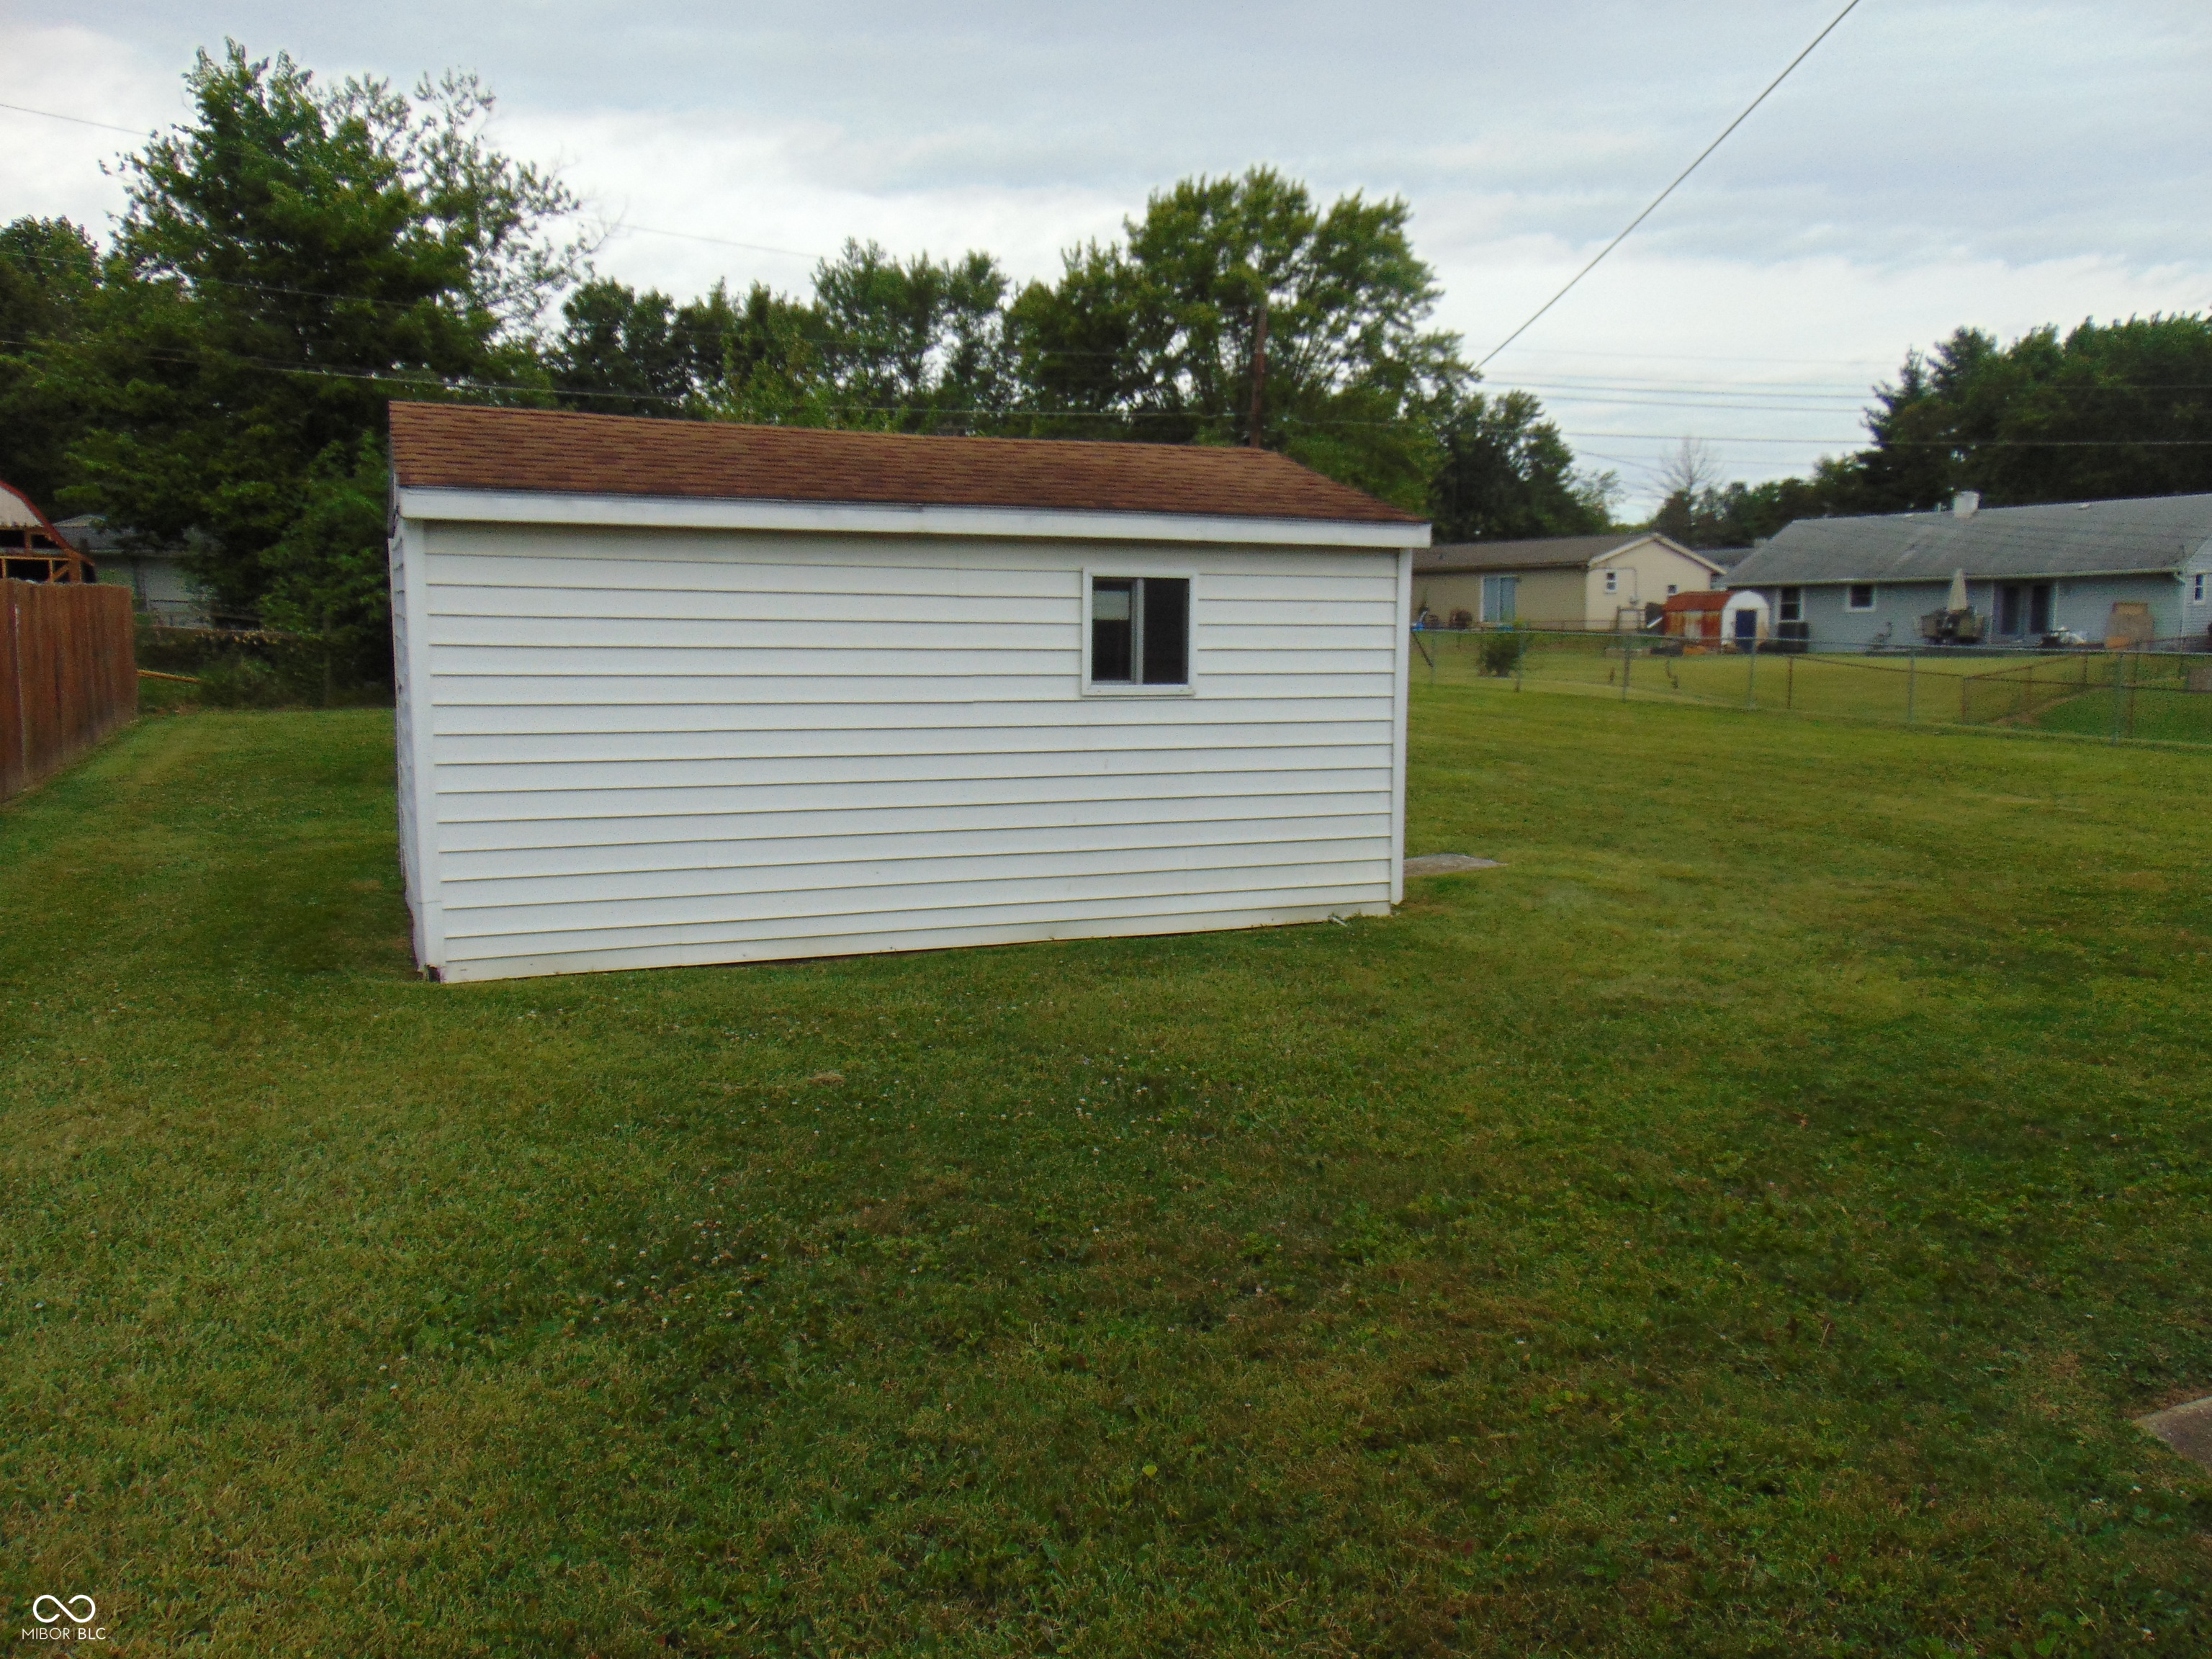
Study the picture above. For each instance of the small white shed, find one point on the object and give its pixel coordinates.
(676, 692)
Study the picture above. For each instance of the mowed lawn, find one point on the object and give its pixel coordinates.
(1744, 1224)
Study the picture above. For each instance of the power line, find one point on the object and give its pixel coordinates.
(1864, 442)
(650, 230)
(719, 241)
(1698, 357)
(83, 121)
(1018, 411)
(1752, 396)
(1848, 10)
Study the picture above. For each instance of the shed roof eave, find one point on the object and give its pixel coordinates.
(435, 504)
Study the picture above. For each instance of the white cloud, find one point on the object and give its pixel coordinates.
(51, 168)
(1947, 162)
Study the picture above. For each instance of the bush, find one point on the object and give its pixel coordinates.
(240, 681)
(257, 668)
(1502, 652)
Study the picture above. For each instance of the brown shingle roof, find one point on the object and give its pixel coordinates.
(462, 446)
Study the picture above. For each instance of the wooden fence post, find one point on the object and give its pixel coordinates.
(13, 773)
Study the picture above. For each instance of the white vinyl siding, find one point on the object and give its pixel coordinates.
(691, 746)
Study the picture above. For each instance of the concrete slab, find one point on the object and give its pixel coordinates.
(1448, 864)
(2187, 1429)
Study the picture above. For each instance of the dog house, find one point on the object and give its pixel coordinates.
(1743, 619)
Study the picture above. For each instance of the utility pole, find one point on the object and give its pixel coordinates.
(1259, 373)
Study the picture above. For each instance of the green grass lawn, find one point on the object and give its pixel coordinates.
(1886, 687)
(1743, 1224)
(2163, 713)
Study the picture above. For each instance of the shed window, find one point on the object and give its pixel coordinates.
(1859, 597)
(1140, 630)
(1792, 605)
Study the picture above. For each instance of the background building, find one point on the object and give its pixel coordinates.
(1556, 581)
(2121, 570)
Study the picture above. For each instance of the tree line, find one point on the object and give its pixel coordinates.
(2102, 412)
(296, 255)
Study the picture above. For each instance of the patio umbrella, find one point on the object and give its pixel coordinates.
(1958, 601)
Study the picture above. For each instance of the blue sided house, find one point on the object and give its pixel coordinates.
(2125, 572)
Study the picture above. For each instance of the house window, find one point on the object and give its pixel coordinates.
(1859, 597)
(1501, 598)
(1672, 589)
(1612, 581)
(1140, 632)
(1792, 605)
(2197, 588)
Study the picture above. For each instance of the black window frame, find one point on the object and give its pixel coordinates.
(1153, 655)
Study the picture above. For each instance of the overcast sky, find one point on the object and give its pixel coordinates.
(1935, 163)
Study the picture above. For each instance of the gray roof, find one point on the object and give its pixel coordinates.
(2069, 538)
(88, 532)
(1541, 553)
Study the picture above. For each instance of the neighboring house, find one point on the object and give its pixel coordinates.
(1558, 581)
(2125, 570)
(681, 692)
(159, 584)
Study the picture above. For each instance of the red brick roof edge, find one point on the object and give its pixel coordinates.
(469, 447)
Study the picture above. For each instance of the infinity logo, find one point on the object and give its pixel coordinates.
(52, 1610)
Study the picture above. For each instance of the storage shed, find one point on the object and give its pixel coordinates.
(1695, 618)
(675, 692)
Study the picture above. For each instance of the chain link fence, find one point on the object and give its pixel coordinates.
(2157, 696)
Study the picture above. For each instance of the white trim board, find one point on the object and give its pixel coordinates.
(867, 518)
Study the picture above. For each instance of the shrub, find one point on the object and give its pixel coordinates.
(240, 681)
(1502, 652)
(257, 668)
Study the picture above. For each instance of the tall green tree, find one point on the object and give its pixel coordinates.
(50, 271)
(2104, 410)
(288, 262)
(1159, 337)
(1739, 514)
(1505, 473)
(915, 345)
(620, 352)
(327, 573)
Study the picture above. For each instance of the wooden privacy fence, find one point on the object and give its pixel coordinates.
(69, 674)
